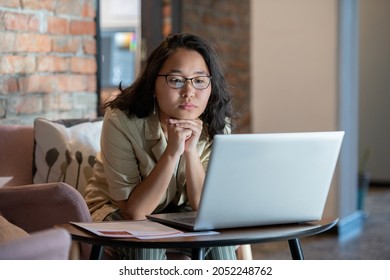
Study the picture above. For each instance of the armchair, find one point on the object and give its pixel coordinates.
(39, 207)
(35, 207)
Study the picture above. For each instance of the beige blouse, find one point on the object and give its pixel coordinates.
(130, 148)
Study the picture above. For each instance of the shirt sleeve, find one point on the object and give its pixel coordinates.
(118, 156)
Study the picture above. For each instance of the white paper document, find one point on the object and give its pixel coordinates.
(144, 229)
(5, 180)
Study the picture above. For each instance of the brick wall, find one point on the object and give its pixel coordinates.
(227, 24)
(47, 55)
(47, 60)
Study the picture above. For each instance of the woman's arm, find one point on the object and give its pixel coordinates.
(195, 175)
(146, 196)
(195, 172)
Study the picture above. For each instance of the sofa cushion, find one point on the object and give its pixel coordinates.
(9, 231)
(65, 150)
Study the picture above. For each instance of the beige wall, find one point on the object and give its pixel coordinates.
(294, 64)
(375, 86)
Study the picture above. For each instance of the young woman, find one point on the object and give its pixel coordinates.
(157, 137)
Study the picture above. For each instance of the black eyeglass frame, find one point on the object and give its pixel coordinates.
(185, 80)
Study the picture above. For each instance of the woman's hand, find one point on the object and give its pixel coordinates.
(184, 134)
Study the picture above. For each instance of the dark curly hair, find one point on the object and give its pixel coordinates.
(138, 98)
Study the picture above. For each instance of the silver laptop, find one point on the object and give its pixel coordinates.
(263, 179)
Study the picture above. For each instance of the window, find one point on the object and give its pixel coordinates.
(118, 57)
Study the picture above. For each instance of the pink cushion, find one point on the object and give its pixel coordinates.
(16, 153)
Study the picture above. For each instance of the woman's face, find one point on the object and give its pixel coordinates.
(186, 102)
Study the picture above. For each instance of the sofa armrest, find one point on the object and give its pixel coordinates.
(38, 207)
(51, 244)
(41, 206)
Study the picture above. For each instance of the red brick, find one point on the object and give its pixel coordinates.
(47, 5)
(66, 44)
(26, 42)
(8, 84)
(77, 82)
(89, 46)
(29, 104)
(64, 7)
(11, 3)
(34, 23)
(57, 102)
(7, 42)
(16, 21)
(29, 84)
(17, 64)
(56, 25)
(81, 27)
(83, 65)
(2, 24)
(54, 83)
(52, 64)
(89, 10)
(43, 84)
(92, 83)
(65, 101)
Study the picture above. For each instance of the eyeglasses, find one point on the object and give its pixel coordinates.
(176, 82)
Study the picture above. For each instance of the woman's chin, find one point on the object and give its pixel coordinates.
(185, 116)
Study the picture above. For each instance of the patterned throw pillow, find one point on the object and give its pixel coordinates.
(65, 150)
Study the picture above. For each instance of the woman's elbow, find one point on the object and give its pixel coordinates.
(128, 213)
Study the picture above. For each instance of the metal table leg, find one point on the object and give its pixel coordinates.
(198, 253)
(96, 252)
(296, 249)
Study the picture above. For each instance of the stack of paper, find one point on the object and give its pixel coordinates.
(144, 229)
